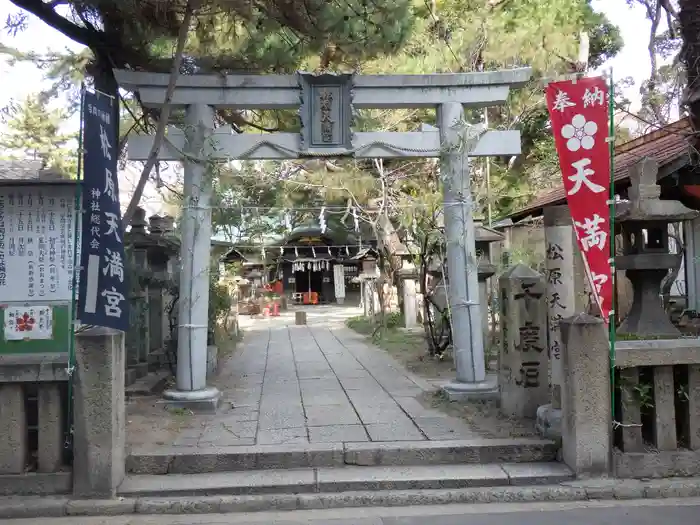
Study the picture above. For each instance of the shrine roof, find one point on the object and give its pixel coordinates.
(668, 145)
(26, 172)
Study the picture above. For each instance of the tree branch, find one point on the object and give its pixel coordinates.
(46, 13)
(163, 119)
(668, 7)
(654, 15)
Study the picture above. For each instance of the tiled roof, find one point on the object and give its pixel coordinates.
(13, 172)
(19, 169)
(666, 145)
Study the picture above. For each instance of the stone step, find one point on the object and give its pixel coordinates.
(567, 491)
(344, 479)
(194, 460)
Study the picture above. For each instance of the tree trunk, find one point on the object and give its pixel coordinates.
(689, 16)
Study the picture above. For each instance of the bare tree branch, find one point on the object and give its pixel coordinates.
(668, 7)
(163, 119)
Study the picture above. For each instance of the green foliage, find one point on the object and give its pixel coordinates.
(468, 35)
(65, 71)
(394, 320)
(34, 133)
(394, 36)
(220, 303)
(360, 324)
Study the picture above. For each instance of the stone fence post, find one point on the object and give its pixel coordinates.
(523, 357)
(587, 414)
(100, 419)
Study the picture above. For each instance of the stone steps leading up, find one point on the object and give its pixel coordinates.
(345, 479)
(194, 460)
(581, 490)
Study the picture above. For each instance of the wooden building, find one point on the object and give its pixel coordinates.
(314, 267)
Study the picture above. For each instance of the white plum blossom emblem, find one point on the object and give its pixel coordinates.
(579, 133)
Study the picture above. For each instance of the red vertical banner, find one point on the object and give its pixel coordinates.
(579, 114)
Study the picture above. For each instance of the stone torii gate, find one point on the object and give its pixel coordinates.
(326, 103)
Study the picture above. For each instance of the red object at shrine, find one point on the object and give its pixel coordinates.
(25, 323)
(579, 115)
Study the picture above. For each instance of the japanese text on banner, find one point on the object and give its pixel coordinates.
(103, 296)
(579, 115)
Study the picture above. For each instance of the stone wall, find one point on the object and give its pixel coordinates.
(34, 458)
(654, 429)
(658, 408)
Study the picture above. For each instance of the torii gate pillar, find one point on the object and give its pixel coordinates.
(458, 140)
(191, 390)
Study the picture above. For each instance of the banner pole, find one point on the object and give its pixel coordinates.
(613, 273)
(73, 306)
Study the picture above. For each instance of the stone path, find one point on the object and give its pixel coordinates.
(319, 383)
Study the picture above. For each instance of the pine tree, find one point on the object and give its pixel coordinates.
(34, 133)
(354, 35)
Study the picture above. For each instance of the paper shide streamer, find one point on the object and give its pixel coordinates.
(322, 219)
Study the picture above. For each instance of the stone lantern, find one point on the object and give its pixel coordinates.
(643, 223)
(368, 274)
(485, 269)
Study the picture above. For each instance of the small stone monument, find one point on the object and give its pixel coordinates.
(524, 364)
(644, 222)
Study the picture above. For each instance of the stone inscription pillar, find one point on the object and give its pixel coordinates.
(523, 358)
(566, 294)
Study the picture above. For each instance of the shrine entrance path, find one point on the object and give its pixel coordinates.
(320, 383)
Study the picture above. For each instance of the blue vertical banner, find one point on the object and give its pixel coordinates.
(103, 298)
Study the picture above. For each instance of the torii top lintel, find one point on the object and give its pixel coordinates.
(368, 91)
(326, 105)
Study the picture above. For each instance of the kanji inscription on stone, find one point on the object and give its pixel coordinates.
(326, 113)
(524, 358)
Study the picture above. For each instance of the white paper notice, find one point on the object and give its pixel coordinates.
(28, 322)
(37, 230)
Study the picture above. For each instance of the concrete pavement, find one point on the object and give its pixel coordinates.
(320, 383)
(633, 512)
